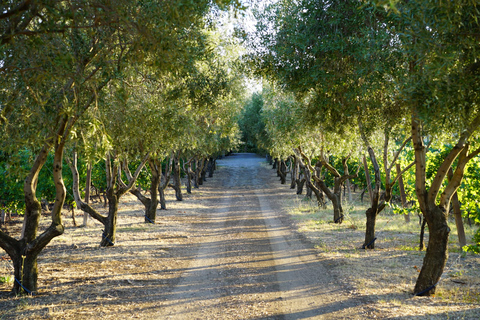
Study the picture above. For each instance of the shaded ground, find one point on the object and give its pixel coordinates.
(229, 251)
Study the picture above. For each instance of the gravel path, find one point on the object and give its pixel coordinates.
(249, 262)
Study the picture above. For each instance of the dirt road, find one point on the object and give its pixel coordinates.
(228, 251)
(249, 263)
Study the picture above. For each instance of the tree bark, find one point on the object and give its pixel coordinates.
(187, 168)
(164, 181)
(347, 182)
(421, 245)
(177, 182)
(370, 238)
(374, 209)
(403, 196)
(211, 167)
(196, 174)
(282, 172)
(88, 184)
(457, 213)
(116, 188)
(151, 203)
(436, 214)
(294, 173)
(367, 178)
(109, 232)
(334, 196)
(436, 255)
(24, 253)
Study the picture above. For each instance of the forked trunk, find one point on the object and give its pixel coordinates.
(436, 214)
(24, 253)
(152, 202)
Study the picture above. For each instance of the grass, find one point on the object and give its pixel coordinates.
(388, 274)
(8, 279)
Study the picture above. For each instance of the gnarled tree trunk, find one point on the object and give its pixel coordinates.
(187, 168)
(177, 182)
(116, 188)
(435, 210)
(377, 206)
(24, 252)
(164, 182)
(151, 203)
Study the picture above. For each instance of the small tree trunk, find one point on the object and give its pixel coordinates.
(423, 223)
(110, 227)
(295, 173)
(337, 210)
(403, 196)
(201, 172)
(337, 201)
(177, 182)
(203, 177)
(211, 167)
(3, 218)
(151, 203)
(300, 183)
(165, 180)
(457, 213)
(189, 176)
(163, 201)
(349, 190)
(367, 178)
(371, 215)
(88, 184)
(73, 216)
(282, 172)
(196, 175)
(309, 191)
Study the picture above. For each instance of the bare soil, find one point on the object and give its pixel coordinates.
(235, 249)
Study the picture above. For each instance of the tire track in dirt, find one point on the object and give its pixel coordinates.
(249, 265)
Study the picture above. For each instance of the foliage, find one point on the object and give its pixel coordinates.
(251, 124)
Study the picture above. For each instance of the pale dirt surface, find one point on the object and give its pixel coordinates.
(230, 250)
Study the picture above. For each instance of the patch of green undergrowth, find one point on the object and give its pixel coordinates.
(8, 279)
